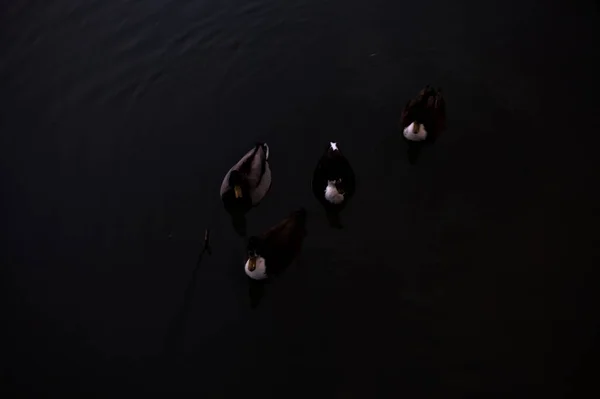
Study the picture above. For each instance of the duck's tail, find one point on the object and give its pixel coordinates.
(300, 215)
(265, 148)
(239, 224)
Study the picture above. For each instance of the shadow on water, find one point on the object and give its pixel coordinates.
(414, 148)
(333, 217)
(256, 291)
(238, 221)
(413, 151)
(176, 333)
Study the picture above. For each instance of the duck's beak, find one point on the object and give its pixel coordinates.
(416, 127)
(252, 263)
(238, 191)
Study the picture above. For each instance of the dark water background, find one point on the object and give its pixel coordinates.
(465, 274)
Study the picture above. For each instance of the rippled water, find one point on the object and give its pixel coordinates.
(119, 119)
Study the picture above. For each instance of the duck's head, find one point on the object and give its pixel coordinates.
(335, 191)
(255, 265)
(254, 246)
(236, 181)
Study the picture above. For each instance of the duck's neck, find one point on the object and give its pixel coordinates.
(256, 268)
(332, 194)
(415, 132)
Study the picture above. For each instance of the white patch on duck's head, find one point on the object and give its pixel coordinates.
(332, 194)
(415, 133)
(333, 146)
(259, 271)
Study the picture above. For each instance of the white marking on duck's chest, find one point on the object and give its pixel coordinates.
(410, 134)
(260, 272)
(333, 146)
(332, 195)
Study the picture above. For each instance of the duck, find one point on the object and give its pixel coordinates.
(333, 183)
(246, 184)
(268, 255)
(423, 119)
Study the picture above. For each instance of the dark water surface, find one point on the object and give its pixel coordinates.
(464, 274)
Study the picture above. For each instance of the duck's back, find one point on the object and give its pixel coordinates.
(429, 108)
(284, 241)
(255, 169)
(331, 167)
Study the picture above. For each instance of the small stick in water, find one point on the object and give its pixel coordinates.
(207, 241)
(206, 248)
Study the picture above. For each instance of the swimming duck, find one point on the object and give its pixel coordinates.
(269, 254)
(246, 184)
(423, 119)
(333, 182)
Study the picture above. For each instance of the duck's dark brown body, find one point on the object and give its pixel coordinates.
(333, 165)
(279, 246)
(255, 182)
(427, 108)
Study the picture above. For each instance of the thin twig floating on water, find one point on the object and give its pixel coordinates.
(177, 330)
(206, 247)
(207, 241)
